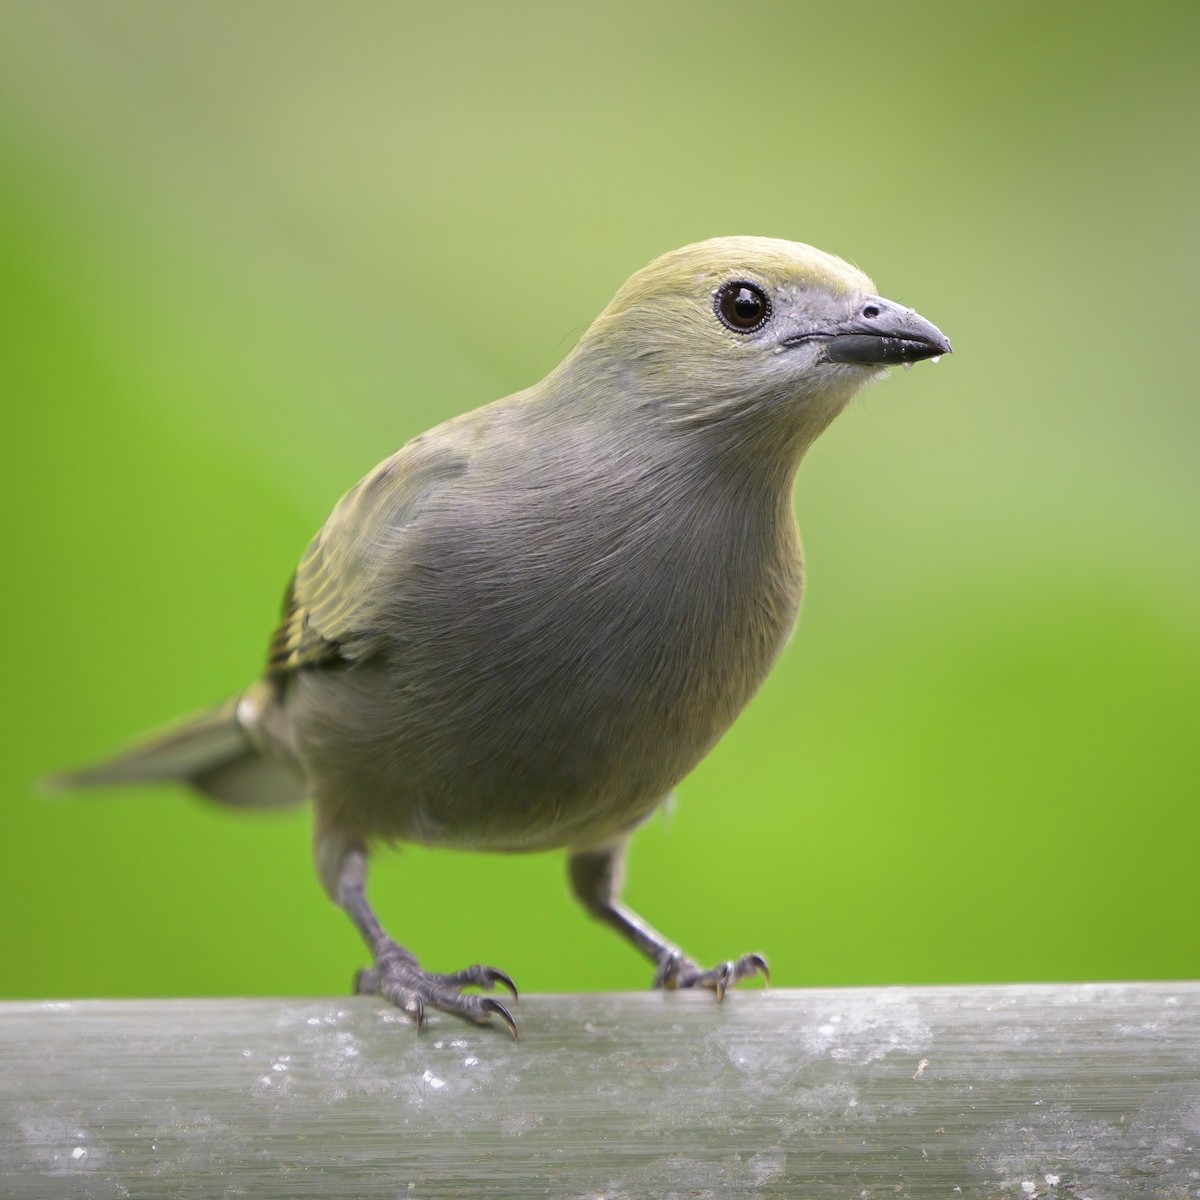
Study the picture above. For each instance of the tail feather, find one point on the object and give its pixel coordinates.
(210, 752)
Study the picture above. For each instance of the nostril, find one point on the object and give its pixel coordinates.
(870, 311)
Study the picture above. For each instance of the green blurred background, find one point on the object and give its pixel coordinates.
(246, 250)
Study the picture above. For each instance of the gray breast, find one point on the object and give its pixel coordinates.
(557, 657)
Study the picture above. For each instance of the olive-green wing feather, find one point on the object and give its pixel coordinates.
(335, 596)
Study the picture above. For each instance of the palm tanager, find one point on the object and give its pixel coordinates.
(527, 625)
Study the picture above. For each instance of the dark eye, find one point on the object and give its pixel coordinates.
(742, 306)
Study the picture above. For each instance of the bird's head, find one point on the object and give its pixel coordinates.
(746, 330)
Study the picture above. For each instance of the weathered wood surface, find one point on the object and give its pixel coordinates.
(1050, 1091)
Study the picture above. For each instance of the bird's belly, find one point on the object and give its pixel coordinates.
(495, 751)
(554, 707)
(491, 772)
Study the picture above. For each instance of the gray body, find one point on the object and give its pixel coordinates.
(526, 626)
(566, 634)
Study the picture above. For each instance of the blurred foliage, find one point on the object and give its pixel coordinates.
(248, 249)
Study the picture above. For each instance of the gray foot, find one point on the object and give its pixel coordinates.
(677, 971)
(397, 976)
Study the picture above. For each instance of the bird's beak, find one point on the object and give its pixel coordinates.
(883, 332)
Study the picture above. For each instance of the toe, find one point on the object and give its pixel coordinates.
(479, 1009)
(398, 978)
(366, 982)
(676, 971)
(406, 998)
(479, 976)
(671, 973)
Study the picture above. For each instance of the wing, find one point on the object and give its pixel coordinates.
(336, 592)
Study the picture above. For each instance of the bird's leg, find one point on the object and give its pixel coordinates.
(596, 877)
(397, 976)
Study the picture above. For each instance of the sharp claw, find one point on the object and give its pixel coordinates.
(726, 973)
(478, 976)
(497, 976)
(415, 1007)
(397, 976)
(676, 971)
(667, 975)
(494, 1006)
(761, 967)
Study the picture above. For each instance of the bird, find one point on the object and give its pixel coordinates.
(524, 628)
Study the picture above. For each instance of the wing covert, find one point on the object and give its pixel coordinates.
(335, 593)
